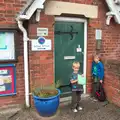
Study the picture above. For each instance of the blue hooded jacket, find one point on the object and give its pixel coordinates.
(98, 70)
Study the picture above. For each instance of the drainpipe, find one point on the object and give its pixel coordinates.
(25, 39)
(20, 20)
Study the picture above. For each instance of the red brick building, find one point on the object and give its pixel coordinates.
(73, 30)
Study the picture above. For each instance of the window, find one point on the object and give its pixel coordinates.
(7, 46)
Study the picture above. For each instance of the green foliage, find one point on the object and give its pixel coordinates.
(46, 91)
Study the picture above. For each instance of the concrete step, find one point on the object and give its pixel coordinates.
(67, 100)
(9, 111)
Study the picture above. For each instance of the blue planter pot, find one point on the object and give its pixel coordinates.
(47, 106)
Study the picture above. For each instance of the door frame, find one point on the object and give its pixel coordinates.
(79, 20)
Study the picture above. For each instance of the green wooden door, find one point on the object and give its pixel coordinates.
(68, 37)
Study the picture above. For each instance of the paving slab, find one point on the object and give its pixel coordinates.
(91, 111)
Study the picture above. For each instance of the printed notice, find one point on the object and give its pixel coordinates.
(7, 50)
(2, 41)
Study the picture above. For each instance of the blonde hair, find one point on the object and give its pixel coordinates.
(76, 64)
(98, 56)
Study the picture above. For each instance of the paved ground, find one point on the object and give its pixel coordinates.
(92, 111)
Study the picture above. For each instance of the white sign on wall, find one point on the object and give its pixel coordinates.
(41, 44)
(42, 31)
(98, 34)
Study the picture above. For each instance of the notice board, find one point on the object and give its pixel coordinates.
(7, 79)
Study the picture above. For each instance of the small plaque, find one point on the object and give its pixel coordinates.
(79, 49)
(42, 31)
(98, 34)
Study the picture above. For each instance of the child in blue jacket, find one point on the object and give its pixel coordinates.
(97, 74)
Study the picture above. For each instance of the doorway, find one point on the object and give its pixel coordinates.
(70, 45)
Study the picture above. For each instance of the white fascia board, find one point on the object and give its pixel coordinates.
(110, 13)
(37, 4)
(114, 10)
(117, 1)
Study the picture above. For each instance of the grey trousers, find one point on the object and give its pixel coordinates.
(95, 87)
(76, 97)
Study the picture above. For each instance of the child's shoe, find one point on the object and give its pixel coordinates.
(75, 110)
(95, 100)
(80, 108)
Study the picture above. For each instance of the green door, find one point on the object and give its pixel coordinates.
(69, 47)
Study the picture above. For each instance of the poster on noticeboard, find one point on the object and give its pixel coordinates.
(7, 80)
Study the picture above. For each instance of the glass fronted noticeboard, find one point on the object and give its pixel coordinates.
(7, 79)
(7, 46)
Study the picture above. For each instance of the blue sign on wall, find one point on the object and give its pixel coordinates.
(41, 40)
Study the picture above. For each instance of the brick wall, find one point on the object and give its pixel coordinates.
(8, 11)
(41, 63)
(112, 80)
(109, 51)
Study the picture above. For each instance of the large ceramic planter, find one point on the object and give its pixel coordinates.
(47, 106)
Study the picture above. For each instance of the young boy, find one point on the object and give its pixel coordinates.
(77, 90)
(97, 74)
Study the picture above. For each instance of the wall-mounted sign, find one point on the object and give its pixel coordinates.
(7, 46)
(42, 31)
(98, 34)
(41, 44)
(7, 80)
(79, 49)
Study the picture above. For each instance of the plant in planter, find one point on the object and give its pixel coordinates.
(46, 99)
